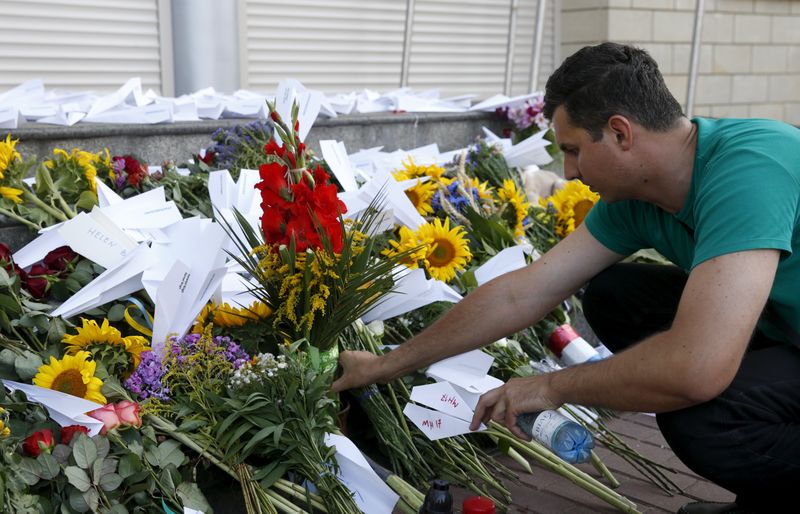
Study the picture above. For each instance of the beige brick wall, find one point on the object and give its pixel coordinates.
(749, 61)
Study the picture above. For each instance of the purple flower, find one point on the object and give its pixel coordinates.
(146, 380)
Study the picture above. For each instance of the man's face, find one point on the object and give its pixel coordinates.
(595, 163)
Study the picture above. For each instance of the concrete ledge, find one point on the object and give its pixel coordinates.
(178, 141)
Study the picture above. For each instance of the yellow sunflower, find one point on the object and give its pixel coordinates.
(421, 195)
(12, 193)
(91, 334)
(74, 374)
(408, 242)
(516, 206)
(447, 249)
(572, 204)
(7, 154)
(483, 188)
(413, 170)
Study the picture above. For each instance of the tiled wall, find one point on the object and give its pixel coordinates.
(749, 60)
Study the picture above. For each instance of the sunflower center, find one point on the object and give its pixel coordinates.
(581, 209)
(71, 382)
(443, 254)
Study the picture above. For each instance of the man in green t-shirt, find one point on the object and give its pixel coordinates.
(692, 342)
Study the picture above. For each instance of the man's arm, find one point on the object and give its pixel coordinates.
(501, 307)
(692, 362)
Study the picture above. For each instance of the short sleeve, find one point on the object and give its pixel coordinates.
(612, 225)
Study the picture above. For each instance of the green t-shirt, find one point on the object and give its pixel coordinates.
(744, 195)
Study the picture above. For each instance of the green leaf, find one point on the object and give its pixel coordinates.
(56, 330)
(81, 277)
(271, 473)
(30, 471)
(27, 365)
(169, 452)
(49, 466)
(86, 201)
(116, 313)
(129, 464)
(7, 302)
(92, 499)
(77, 502)
(84, 451)
(78, 478)
(191, 424)
(102, 445)
(117, 508)
(192, 497)
(110, 482)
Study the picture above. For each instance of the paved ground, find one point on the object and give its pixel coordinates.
(545, 492)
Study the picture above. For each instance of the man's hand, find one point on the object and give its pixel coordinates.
(517, 396)
(358, 369)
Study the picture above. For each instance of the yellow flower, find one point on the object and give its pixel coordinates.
(4, 430)
(91, 334)
(484, 190)
(227, 316)
(74, 374)
(408, 241)
(12, 193)
(447, 250)
(7, 154)
(572, 204)
(413, 170)
(421, 195)
(516, 204)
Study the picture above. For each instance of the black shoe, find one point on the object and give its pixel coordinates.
(713, 508)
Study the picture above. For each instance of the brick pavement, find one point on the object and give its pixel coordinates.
(545, 492)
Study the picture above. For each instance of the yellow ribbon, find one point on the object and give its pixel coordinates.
(135, 324)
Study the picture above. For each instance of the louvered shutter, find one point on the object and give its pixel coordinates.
(457, 46)
(80, 45)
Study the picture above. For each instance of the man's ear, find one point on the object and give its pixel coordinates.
(621, 130)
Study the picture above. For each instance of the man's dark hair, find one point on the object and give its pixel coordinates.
(597, 82)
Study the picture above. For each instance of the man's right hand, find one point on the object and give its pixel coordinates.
(358, 369)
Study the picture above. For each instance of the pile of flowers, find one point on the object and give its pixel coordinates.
(245, 395)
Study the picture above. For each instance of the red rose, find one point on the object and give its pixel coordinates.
(208, 157)
(38, 442)
(5, 253)
(136, 171)
(58, 259)
(67, 433)
(36, 281)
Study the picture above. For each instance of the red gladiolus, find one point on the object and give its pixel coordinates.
(274, 116)
(208, 157)
(38, 442)
(67, 433)
(58, 259)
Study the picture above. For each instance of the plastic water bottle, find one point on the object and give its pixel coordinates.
(438, 499)
(566, 438)
(570, 347)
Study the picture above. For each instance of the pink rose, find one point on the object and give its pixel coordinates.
(128, 413)
(108, 415)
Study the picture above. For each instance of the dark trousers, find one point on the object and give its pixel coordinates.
(747, 439)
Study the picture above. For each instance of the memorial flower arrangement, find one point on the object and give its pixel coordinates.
(245, 395)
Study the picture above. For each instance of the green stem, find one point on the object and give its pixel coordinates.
(15, 217)
(28, 195)
(552, 462)
(603, 470)
(65, 206)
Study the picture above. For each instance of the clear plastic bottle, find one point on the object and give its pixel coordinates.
(438, 499)
(566, 438)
